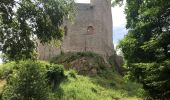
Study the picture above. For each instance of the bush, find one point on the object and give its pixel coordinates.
(55, 75)
(27, 83)
(72, 73)
(6, 69)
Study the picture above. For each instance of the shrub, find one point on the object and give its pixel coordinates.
(55, 75)
(72, 73)
(6, 69)
(27, 83)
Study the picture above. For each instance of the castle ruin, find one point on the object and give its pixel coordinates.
(91, 31)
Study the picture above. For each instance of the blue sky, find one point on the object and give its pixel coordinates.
(119, 22)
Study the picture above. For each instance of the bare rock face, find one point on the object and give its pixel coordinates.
(84, 66)
(85, 63)
(91, 31)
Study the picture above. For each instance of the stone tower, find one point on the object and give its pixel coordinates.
(91, 31)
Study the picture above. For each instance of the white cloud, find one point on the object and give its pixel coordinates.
(119, 17)
(119, 23)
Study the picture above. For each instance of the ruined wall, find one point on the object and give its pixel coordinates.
(91, 31)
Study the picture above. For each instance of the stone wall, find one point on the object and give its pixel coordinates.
(91, 31)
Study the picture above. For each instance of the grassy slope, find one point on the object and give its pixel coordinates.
(108, 85)
(105, 85)
(97, 88)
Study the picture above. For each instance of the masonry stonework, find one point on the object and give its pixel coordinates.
(91, 31)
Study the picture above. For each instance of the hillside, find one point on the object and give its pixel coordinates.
(91, 79)
(98, 88)
(80, 87)
(96, 79)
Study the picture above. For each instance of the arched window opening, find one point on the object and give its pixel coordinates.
(65, 30)
(90, 30)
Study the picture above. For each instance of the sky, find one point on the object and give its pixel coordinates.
(119, 22)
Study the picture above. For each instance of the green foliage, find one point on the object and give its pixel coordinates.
(145, 47)
(72, 73)
(25, 78)
(22, 22)
(6, 69)
(126, 46)
(27, 83)
(154, 77)
(28, 77)
(97, 88)
(55, 75)
(148, 31)
(117, 2)
(135, 88)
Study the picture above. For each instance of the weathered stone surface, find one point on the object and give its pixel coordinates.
(85, 63)
(91, 31)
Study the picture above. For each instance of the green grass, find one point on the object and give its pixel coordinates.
(107, 86)
(78, 87)
(98, 88)
(86, 88)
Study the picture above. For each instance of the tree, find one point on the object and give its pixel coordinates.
(28, 82)
(145, 47)
(117, 2)
(24, 21)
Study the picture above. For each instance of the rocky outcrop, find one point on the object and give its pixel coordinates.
(85, 63)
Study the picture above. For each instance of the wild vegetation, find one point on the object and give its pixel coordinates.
(53, 83)
(22, 22)
(30, 80)
(146, 47)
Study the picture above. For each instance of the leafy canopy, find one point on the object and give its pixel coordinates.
(22, 22)
(146, 47)
(117, 2)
